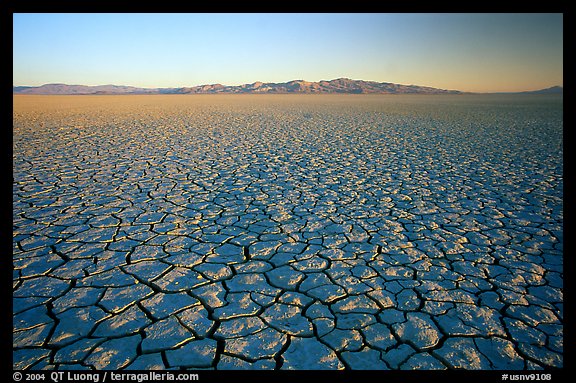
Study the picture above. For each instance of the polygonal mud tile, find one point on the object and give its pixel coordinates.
(461, 353)
(280, 259)
(437, 309)
(94, 235)
(147, 253)
(162, 305)
(115, 353)
(124, 245)
(532, 315)
(228, 362)
(524, 334)
(287, 319)
(227, 253)
(555, 333)
(544, 355)
(185, 259)
(43, 364)
(34, 337)
(337, 254)
(422, 361)
(250, 282)
(365, 359)
(419, 330)
(36, 241)
(31, 318)
(212, 295)
(355, 304)
(239, 327)
(467, 319)
(74, 269)
(109, 261)
(294, 298)
(343, 340)
(24, 358)
(451, 296)
(77, 351)
(501, 353)
(241, 304)
(180, 279)
(323, 326)
(214, 271)
(114, 277)
(546, 293)
(196, 318)
(177, 244)
(146, 270)
(128, 322)
(22, 304)
(264, 250)
(104, 221)
(363, 272)
(407, 300)
(318, 310)
(354, 321)
(147, 362)
(391, 273)
(378, 336)
(263, 300)
(327, 293)
(292, 247)
(491, 299)
(311, 265)
(165, 334)
(353, 285)
(116, 299)
(76, 323)
(252, 267)
(284, 277)
(314, 280)
(38, 266)
(309, 354)
(77, 297)
(148, 218)
(397, 355)
(264, 344)
(196, 353)
(41, 287)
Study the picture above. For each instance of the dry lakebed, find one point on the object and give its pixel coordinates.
(288, 232)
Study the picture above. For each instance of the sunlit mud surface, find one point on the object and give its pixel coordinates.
(287, 232)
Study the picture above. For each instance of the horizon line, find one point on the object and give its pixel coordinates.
(285, 82)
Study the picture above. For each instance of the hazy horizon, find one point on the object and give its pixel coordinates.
(464, 52)
(277, 82)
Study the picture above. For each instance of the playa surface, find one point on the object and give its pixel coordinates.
(287, 232)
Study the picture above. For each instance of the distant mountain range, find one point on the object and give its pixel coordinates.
(551, 90)
(341, 85)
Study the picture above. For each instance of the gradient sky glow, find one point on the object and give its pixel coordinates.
(467, 52)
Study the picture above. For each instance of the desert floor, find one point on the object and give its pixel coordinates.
(287, 232)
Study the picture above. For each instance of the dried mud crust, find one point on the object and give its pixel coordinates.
(287, 232)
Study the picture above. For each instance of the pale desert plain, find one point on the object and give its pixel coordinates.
(288, 232)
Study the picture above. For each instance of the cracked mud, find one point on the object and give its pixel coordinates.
(287, 232)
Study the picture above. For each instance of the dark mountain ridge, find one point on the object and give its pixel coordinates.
(341, 85)
(551, 90)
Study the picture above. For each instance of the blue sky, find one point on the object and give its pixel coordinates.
(468, 52)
